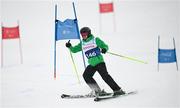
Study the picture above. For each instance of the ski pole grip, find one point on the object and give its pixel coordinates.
(69, 41)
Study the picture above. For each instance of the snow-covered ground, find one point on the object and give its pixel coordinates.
(137, 23)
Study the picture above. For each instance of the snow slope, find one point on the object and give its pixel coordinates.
(137, 23)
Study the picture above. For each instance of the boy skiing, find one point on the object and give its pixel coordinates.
(93, 47)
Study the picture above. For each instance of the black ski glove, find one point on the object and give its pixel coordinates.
(56, 20)
(103, 50)
(68, 44)
(75, 20)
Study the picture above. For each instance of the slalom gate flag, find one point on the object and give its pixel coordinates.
(166, 55)
(10, 32)
(67, 29)
(105, 7)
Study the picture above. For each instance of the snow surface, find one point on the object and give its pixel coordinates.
(135, 34)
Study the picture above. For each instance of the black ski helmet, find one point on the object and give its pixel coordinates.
(85, 30)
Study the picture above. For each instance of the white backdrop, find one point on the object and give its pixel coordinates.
(138, 24)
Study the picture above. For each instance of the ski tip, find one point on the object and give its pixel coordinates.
(64, 95)
(97, 99)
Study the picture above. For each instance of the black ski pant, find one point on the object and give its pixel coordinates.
(101, 68)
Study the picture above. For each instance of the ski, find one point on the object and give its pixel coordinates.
(100, 98)
(67, 96)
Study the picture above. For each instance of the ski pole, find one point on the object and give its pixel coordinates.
(129, 58)
(74, 65)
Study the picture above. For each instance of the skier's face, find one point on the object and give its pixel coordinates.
(84, 35)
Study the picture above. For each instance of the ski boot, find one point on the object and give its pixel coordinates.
(119, 92)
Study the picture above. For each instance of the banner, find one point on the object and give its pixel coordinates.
(105, 7)
(166, 55)
(10, 32)
(67, 29)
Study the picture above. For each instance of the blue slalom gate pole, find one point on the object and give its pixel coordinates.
(175, 53)
(79, 34)
(55, 42)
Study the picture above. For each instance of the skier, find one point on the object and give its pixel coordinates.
(93, 47)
